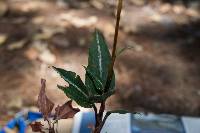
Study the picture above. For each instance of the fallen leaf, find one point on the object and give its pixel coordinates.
(37, 127)
(44, 104)
(65, 111)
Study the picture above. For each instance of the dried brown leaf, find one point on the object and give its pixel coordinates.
(65, 111)
(45, 105)
(37, 127)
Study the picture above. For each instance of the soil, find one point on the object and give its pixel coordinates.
(159, 74)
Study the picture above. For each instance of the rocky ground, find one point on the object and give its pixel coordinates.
(159, 74)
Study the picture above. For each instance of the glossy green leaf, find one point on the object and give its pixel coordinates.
(77, 91)
(72, 79)
(95, 82)
(98, 62)
(77, 96)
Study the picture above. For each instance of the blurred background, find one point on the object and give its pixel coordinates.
(160, 74)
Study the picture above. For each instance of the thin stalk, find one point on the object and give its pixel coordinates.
(110, 70)
(96, 116)
(104, 120)
(110, 73)
(101, 110)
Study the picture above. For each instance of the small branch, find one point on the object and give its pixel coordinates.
(110, 70)
(96, 116)
(101, 110)
(119, 8)
(104, 120)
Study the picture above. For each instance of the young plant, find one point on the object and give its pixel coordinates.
(99, 85)
(99, 78)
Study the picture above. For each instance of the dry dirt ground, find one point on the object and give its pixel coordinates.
(159, 74)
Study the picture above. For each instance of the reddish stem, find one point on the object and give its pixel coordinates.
(100, 121)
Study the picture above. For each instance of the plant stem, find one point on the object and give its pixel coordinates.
(104, 120)
(100, 121)
(101, 110)
(110, 70)
(96, 116)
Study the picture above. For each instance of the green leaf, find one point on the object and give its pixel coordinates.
(101, 98)
(98, 62)
(77, 91)
(77, 96)
(95, 81)
(72, 79)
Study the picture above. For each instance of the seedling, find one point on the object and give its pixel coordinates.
(99, 82)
